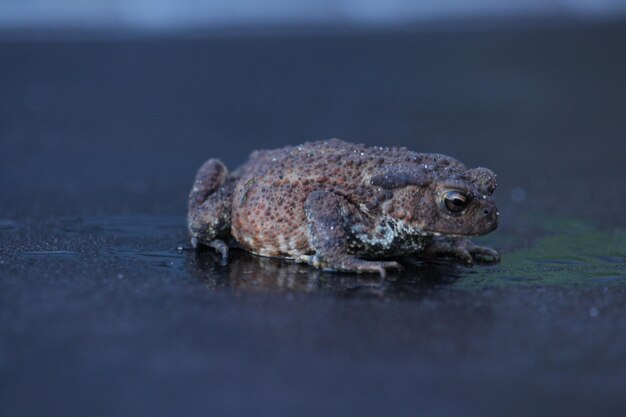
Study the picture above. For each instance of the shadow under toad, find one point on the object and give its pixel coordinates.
(253, 273)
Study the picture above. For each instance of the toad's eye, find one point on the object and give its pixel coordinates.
(455, 201)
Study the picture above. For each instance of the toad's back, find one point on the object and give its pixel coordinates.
(334, 160)
(268, 203)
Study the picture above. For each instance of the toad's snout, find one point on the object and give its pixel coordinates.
(491, 217)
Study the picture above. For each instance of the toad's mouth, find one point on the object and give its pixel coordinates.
(444, 233)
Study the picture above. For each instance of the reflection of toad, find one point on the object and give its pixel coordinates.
(341, 206)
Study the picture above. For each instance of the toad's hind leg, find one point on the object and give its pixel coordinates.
(210, 203)
(327, 214)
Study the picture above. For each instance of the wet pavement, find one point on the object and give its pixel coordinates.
(104, 310)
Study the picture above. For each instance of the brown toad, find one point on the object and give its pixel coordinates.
(340, 206)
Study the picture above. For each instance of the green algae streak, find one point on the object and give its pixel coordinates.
(567, 253)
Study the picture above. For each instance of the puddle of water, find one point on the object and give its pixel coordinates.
(575, 255)
(139, 241)
(172, 258)
(609, 279)
(613, 259)
(50, 254)
(7, 225)
(562, 253)
(561, 262)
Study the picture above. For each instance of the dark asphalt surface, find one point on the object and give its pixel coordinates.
(101, 314)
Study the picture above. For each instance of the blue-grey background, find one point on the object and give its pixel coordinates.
(168, 14)
(107, 109)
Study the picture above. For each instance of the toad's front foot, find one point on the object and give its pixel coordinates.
(219, 245)
(462, 249)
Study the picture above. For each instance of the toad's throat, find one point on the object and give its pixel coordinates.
(390, 236)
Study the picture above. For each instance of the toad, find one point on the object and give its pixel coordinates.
(345, 207)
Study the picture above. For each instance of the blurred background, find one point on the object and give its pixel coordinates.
(141, 15)
(154, 88)
(108, 108)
